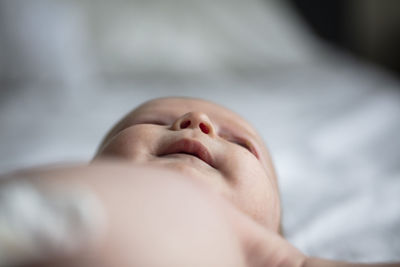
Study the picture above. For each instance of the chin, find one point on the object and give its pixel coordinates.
(210, 178)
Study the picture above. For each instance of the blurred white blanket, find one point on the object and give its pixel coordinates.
(331, 123)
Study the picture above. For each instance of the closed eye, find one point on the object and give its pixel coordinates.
(245, 144)
(242, 144)
(155, 122)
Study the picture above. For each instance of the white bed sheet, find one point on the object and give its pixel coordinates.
(331, 123)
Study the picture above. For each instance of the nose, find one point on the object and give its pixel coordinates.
(194, 120)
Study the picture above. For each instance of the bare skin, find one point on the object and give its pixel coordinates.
(183, 182)
(237, 164)
(157, 217)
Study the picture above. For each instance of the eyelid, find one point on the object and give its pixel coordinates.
(248, 145)
(243, 143)
(161, 123)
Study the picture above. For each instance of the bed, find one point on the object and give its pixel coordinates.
(70, 69)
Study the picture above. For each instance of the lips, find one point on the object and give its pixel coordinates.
(191, 147)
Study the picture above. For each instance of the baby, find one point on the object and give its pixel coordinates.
(203, 141)
(181, 182)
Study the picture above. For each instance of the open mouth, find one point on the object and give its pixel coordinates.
(189, 147)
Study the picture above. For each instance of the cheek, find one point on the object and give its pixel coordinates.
(259, 198)
(238, 165)
(134, 143)
(253, 190)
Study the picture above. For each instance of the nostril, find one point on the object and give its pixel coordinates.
(204, 128)
(185, 124)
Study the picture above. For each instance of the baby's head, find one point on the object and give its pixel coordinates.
(204, 141)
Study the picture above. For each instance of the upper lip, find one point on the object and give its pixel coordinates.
(191, 147)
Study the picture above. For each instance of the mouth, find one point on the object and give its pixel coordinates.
(190, 147)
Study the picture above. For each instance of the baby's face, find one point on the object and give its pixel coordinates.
(203, 141)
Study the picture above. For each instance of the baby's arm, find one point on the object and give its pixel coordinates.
(157, 218)
(314, 262)
(152, 218)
